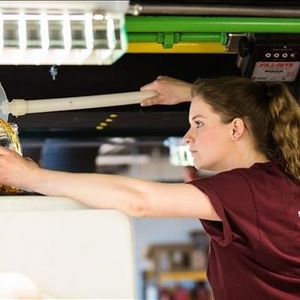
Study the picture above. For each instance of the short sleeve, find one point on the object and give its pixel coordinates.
(232, 198)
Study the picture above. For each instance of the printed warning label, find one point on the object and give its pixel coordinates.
(275, 71)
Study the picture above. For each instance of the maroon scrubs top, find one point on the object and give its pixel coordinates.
(255, 251)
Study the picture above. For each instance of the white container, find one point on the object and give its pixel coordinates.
(68, 250)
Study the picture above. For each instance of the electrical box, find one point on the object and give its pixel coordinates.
(270, 57)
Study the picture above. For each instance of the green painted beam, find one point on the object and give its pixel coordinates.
(148, 24)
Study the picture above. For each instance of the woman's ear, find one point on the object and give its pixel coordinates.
(237, 128)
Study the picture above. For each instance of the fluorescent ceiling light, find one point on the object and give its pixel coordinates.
(62, 32)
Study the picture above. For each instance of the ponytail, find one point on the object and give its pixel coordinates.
(285, 112)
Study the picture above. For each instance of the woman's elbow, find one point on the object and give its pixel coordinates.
(138, 206)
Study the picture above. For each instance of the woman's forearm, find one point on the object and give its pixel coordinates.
(96, 190)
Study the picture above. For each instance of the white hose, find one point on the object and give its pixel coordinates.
(20, 107)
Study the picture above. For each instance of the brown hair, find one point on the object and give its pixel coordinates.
(270, 112)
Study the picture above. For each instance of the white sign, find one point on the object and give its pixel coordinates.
(275, 71)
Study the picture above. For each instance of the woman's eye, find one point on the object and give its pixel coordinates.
(198, 124)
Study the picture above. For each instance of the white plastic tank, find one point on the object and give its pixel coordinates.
(66, 249)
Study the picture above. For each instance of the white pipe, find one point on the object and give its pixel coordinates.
(20, 107)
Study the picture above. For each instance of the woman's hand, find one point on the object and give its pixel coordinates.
(17, 171)
(169, 91)
(18, 286)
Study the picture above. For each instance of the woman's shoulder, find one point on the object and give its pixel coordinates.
(258, 174)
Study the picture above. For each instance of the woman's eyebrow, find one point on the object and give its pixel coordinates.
(197, 116)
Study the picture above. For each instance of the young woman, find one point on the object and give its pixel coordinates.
(248, 133)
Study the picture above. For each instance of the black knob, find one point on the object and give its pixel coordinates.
(244, 46)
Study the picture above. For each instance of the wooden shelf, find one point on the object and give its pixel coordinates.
(188, 275)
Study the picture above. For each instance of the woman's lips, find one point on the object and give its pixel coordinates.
(193, 152)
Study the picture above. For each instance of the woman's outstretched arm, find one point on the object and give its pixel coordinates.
(135, 197)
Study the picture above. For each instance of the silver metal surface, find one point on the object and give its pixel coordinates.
(3, 100)
(217, 10)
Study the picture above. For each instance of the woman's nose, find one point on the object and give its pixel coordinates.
(187, 137)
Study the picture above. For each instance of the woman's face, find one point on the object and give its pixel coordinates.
(208, 138)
